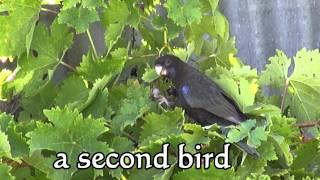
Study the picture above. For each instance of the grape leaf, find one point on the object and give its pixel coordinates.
(135, 104)
(251, 167)
(304, 86)
(69, 133)
(242, 91)
(34, 72)
(256, 136)
(17, 142)
(276, 72)
(72, 92)
(199, 33)
(15, 28)
(267, 151)
(285, 127)
(70, 3)
(240, 132)
(160, 23)
(92, 3)
(194, 134)
(162, 125)
(114, 19)
(184, 12)
(220, 24)
(282, 149)
(85, 3)
(5, 149)
(5, 172)
(98, 108)
(94, 69)
(308, 157)
(78, 18)
(120, 145)
(150, 75)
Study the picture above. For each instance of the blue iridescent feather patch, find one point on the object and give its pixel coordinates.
(185, 89)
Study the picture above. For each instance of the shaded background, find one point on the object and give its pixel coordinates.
(262, 26)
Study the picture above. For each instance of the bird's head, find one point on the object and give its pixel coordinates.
(168, 66)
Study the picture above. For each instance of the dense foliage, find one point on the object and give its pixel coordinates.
(101, 107)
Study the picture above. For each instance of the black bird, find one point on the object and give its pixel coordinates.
(201, 98)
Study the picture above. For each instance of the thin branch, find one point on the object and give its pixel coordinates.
(284, 95)
(92, 43)
(308, 124)
(65, 64)
(49, 10)
(143, 56)
(68, 66)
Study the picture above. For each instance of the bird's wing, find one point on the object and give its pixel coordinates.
(205, 94)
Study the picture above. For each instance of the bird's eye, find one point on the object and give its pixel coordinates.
(167, 63)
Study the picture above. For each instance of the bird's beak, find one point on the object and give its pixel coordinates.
(160, 70)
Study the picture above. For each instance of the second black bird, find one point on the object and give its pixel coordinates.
(203, 100)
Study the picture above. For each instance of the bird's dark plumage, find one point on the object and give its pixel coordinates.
(203, 100)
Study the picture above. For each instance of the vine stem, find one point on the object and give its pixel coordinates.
(68, 66)
(284, 95)
(308, 124)
(92, 44)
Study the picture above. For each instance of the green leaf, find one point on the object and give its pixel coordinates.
(120, 145)
(98, 108)
(35, 71)
(162, 125)
(161, 22)
(113, 34)
(78, 18)
(240, 89)
(5, 150)
(304, 86)
(115, 19)
(17, 142)
(276, 72)
(220, 24)
(16, 29)
(69, 133)
(116, 12)
(214, 4)
(285, 127)
(135, 104)
(251, 167)
(194, 134)
(256, 136)
(92, 3)
(267, 151)
(308, 157)
(5, 172)
(150, 75)
(94, 69)
(240, 132)
(72, 92)
(282, 149)
(184, 12)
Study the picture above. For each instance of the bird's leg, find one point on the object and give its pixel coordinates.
(156, 95)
